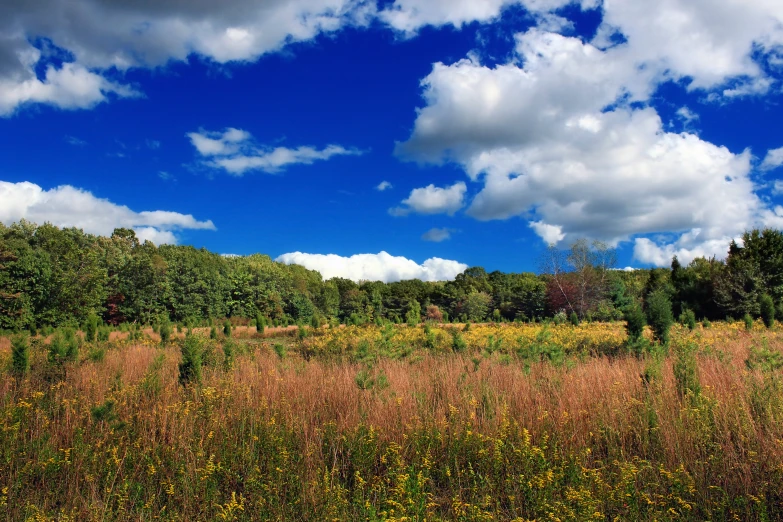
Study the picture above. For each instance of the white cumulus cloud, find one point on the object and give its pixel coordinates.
(433, 200)
(125, 34)
(234, 151)
(375, 267)
(383, 185)
(554, 137)
(773, 159)
(69, 87)
(67, 206)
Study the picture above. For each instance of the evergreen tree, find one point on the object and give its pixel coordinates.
(91, 328)
(767, 308)
(20, 356)
(659, 314)
(190, 366)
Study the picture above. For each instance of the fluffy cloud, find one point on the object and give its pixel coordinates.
(709, 43)
(217, 143)
(409, 16)
(437, 235)
(773, 159)
(123, 34)
(383, 185)
(234, 151)
(67, 206)
(706, 41)
(433, 200)
(554, 137)
(70, 87)
(375, 267)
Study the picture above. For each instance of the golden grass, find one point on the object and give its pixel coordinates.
(267, 414)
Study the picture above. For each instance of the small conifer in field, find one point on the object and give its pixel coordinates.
(767, 310)
(190, 366)
(165, 331)
(71, 344)
(91, 328)
(634, 322)
(659, 315)
(227, 328)
(748, 320)
(688, 319)
(229, 348)
(20, 356)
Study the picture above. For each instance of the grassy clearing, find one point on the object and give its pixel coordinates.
(521, 422)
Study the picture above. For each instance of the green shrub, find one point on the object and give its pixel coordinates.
(213, 333)
(280, 350)
(165, 332)
(96, 354)
(767, 308)
(91, 328)
(430, 340)
(413, 315)
(103, 334)
(260, 323)
(686, 371)
(56, 350)
(748, 320)
(20, 355)
(229, 349)
(190, 366)
(227, 328)
(659, 315)
(634, 322)
(209, 354)
(573, 319)
(71, 344)
(688, 319)
(458, 343)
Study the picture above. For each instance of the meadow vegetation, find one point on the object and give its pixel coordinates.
(433, 421)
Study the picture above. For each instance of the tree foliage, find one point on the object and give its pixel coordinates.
(59, 277)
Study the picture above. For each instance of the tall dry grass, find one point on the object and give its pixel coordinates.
(291, 439)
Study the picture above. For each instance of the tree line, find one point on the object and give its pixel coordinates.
(52, 276)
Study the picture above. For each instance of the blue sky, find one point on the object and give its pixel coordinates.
(496, 127)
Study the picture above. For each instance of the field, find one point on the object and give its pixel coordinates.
(492, 422)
